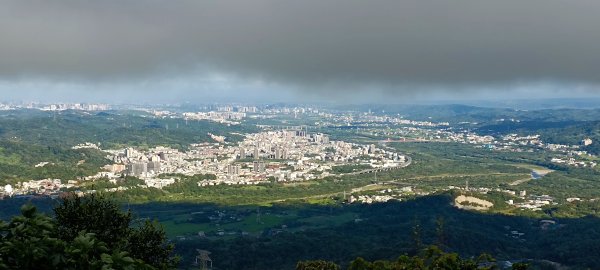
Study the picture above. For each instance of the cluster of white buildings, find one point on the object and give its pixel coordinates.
(86, 145)
(75, 106)
(6, 190)
(531, 202)
(286, 155)
(386, 119)
(44, 187)
(57, 106)
(535, 203)
(571, 155)
(372, 120)
(571, 161)
(384, 195)
(136, 163)
(224, 117)
(369, 199)
(240, 109)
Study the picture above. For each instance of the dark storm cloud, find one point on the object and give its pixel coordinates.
(304, 42)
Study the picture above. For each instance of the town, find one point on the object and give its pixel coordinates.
(281, 156)
(296, 153)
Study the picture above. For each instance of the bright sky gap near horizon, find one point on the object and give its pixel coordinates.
(279, 51)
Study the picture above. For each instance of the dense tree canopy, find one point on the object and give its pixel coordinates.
(87, 233)
(429, 259)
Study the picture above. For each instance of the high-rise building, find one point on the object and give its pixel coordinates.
(259, 166)
(154, 166)
(256, 154)
(233, 170)
(137, 168)
(325, 139)
(163, 156)
(371, 149)
(129, 152)
(301, 133)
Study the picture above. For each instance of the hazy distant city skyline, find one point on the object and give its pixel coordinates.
(171, 93)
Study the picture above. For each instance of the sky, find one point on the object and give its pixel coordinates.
(388, 51)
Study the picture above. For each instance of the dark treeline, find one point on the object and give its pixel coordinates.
(90, 232)
(385, 231)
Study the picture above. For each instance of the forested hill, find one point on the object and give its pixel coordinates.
(30, 137)
(18, 162)
(559, 132)
(559, 126)
(111, 129)
(384, 231)
(457, 113)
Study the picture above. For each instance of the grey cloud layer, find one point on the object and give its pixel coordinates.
(308, 41)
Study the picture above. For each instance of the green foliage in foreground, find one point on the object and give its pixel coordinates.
(430, 258)
(317, 265)
(87, 233)
(382, 232)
